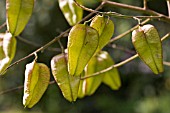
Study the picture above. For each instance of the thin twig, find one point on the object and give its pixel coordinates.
(17, 88)
(127, 32)
(168, 5)
(37, 45)
(121, 63)
(145, 6)
(111, 67)
(52, 41)
(114, 46)
(3, 25)
(61, 46)
(166, 63)
(155, 16)
(139, 9)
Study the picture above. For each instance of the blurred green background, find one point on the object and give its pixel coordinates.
(141, 91)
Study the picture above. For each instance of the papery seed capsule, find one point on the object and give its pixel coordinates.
(7, 51)
(68, 84)
(71, 11)
(111, 77)
(82, 44)
(148, 45)
(37, 77)
(105, 28)
(18, 15)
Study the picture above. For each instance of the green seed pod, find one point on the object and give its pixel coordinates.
(148, 45)
(97, 63)
(37, 77)
(71, 11)
(18, 15)
(82, 44)
(7, 51)
(81, 92)
(105, 28)
(111, 78)
(68, 84)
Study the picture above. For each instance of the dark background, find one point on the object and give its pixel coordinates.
(141, 91)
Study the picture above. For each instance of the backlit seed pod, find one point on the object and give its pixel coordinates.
(82, 44)
(68, 84)
(37, 77)
(148, 45)
(81, 92)
(97, 63)
(105, 28)
(111, 78)
(101, 61)
(18, 15)
(7, 50)
(71, 11)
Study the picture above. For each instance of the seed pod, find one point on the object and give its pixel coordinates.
(81, 92)
(97, 63)
(105, 28)
(37, 77)
(101, 61)
(68, 84)
(18, 15)
(148, 45)
(82, 44)
(71, 11)
(7, 51)
(111, 78)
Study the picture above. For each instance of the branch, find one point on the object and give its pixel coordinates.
(127, 32)
(17, 88)
(111, 67)
(37, 45)
(168, 5)
(3, 25)
(114, 46)
(154, 14)
(139, 9)
(166, 63)
(52, 41)
(121, 63)
(145, 4)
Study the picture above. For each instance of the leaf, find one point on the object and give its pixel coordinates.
(71, 11)
(111, 78)
(7, 51)
(68, 84)
(148, 45)
(18, 15)
(82, 44)
(41, 86)
(105, 28)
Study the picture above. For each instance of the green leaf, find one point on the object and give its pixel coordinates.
(41, 85)
(148, 45)
(18, 15)
(111, 78)
(68, 84)
(82, 44)
(105, 28)
(71, 11)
